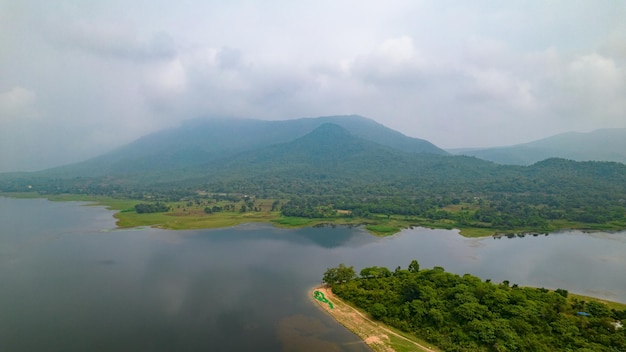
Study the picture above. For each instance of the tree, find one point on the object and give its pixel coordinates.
(374, 272)
(339, 274)
(414, 266)
(151, 208)
(378, 311)
(562, 292)
(598, 309)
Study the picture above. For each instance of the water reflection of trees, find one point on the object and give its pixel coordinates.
(519, 235)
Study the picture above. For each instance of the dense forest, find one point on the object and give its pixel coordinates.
(464, 313)
(151, 208)
(543, 197)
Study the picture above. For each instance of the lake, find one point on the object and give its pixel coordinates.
(71, 282)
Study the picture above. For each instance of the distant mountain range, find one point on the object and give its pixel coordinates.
(600, 145)
(211, 141)
(281, 156)
(349, 148)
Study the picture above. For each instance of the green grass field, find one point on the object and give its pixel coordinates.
(287, 221)
(610, 304)
(382, 230)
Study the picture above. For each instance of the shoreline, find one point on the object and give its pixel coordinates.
(195, 219)
(375, 335)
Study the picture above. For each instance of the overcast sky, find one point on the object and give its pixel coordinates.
(78, 78)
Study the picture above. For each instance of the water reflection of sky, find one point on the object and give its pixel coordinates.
(588, 263)
(243, 287)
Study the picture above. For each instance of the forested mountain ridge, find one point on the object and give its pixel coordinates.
(330, 155)
(329, 150)
(599, 145)
(202, 141)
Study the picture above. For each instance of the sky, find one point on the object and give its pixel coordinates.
(80, 78)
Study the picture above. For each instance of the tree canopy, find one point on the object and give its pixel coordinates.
(339, 274)
(464, 313)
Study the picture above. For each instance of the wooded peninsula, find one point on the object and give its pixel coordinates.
(464, 313)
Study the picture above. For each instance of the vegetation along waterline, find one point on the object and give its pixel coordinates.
(223, 210)
(216, 211)
(464, 313)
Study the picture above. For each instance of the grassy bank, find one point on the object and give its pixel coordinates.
(185, 215)
(571, 297)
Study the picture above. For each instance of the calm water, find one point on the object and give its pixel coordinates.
(69, 282)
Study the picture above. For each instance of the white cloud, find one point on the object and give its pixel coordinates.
(596, 86)
(393, 61)
(501, 87)
(596, 75)
(17, 103)
(108, 38)
(398, 51)
(168, 78)
(458, 74)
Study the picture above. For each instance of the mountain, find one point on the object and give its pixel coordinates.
(329, 150)
(202, 141)
(599, 145)
(327, 159)
(334, 154)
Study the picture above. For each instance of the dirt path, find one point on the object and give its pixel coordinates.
(374, 334)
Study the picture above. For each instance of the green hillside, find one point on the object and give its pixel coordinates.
(203, 141)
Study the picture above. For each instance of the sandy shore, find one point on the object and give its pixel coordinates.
(377, 336)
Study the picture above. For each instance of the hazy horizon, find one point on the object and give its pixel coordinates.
(81, 79)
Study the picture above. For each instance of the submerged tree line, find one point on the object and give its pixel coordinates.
(464, 313)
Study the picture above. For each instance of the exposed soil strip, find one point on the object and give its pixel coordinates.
(375, 335)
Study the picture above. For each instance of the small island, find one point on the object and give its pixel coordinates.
(431, 309)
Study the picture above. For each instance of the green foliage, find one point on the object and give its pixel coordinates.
(375, 271)
(151, 208)
(562, 292)
(414, 266)
(339, 274)
(464, 313)
(382, 229)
